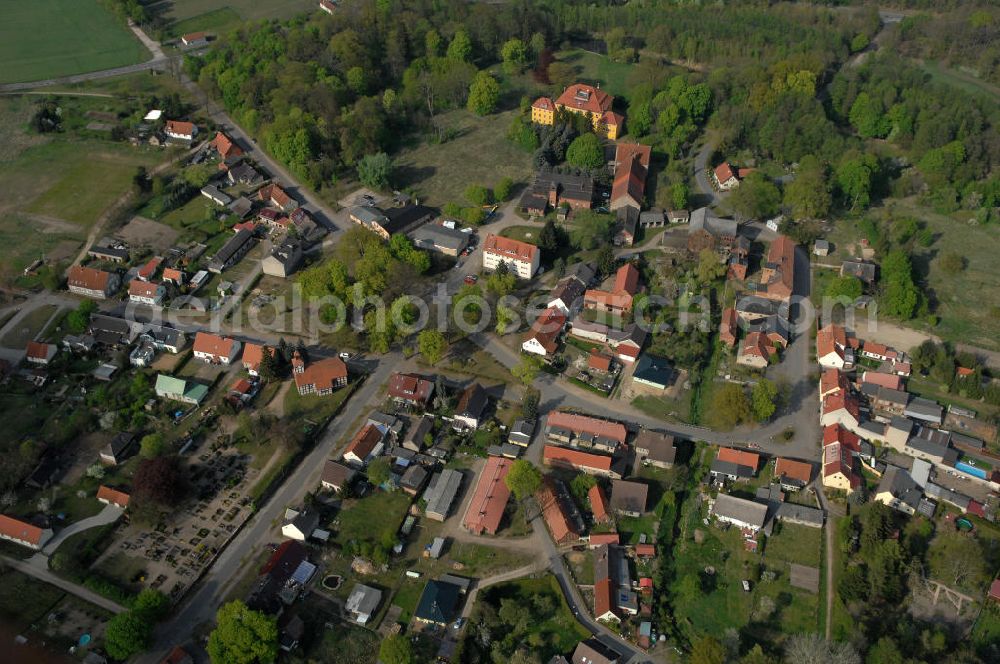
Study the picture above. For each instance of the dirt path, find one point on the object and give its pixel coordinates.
(277, 405)
(905, 339)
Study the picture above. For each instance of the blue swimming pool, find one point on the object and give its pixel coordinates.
(970, 470)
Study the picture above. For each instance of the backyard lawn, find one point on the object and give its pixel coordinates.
(373, 518)
(595, 68)
(29, 327)
(25, 600)
(794, 543)
(52, 38)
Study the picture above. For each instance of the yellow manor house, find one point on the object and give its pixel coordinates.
(586, 100)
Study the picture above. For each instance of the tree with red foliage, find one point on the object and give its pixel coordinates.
(159, 480)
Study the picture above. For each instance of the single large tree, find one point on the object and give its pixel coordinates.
(432, 345)
(243, 636)
(159, 481)
(523, 479)
(484, 94)
(374, 170)
(460, 47)
(763, 400)
(127, 634)
(585, 151)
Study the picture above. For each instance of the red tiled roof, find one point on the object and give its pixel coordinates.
(225, 146)
(243, 226)
(627, 279)
(797, 470)
(835, 433)
(837, 459)
(547, 327)
(781, 255)
(598, 361)
(645, 550)
(543, 103)
(242, 386)
(490, 497)
(621, 301)
(630, 173)
(82, 276)
(585, 424)
(37, 350)
(597, 539)
(598, 504)
(149, 269)
(757, 343)
(253, 354)
(841, 400)
(213, 344)
(21, 530)
(963, 372)
(410, 388)
(723, 172)
(173, 274)
(575, 458)
(831, 339)
(510, 249)
(995, 589)
(322, 374)
(180, 127)
(876, 348)
(603, 598)
(274, 193)
(891, 381)
(364, 442)
(583, 97)
(193, 36)
(555, 516)
(612, 119)
(739, 457)
(831, 381)
(113, 496)
(140, 288)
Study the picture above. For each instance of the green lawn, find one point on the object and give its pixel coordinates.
(28, 327)
(216, 21)
(314, 407)
(965, 82)
(49, 38)
(343, 645)
(595, 68)
(479, 153)
(250, 10)
(370, 518)
(669, 410)
(794, 543)
(632, 527)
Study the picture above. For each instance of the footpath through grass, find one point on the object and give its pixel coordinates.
(52, 38)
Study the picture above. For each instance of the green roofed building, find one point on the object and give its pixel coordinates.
(178, 389)
(438, 603)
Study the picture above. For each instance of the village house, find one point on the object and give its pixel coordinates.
(284, 259)
(727, 328)
(489, 500)
(629, 498)
(585, 431)
(93, 283)
(175, 276)
(552, 190)
(411, 389)
(212, 193)
(441, 493)
(626, 342)
(179, 389)
(655, 448)
(367, 444)
(598, 504)
(108, 254)
(145, 292)
(734, 465)
(521, 258)
(215, 349)
(225, 147)
(834, 348)
(626, 228)
(707, 231)
(652, 374)
(862, 270)
(560, 516)
(619, 299)
(272, 194)
(832, 381)
(319, 377)
(244, 174)
(569, 290)
(37, 352)
(543, 337)
(110, 496)
(724, 177)
(791, 474)
(738, 263)
(23, 533)
(777, 279)
(744, 514)
(121, 447)
(328, 6)
(924, 411)
(543, 111)
(441, 239)
(471, 406)
(363, 602)
(841, 408)
(898, 490)
(438, 604)
(336, 476)
(591, 464)
(840, 447)
(756, 351)
(180, 130)
(253, 355)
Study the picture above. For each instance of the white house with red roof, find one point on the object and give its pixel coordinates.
(215, 349)
(146, 292)
(841, 408)
(543, 338)
(180, 130)
(40, 353)
(23, 533)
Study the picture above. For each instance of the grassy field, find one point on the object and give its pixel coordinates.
(478, 154)
(965, 82)
(967, 304)
(48, 38)
(216, 21)
(595, 68)
(795, 544)
(373, 516)
(29, 326)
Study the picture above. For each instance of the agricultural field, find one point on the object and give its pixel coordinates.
(184, 16)
(79, 36)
